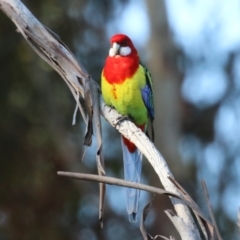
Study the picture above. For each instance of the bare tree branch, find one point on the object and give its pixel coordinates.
(99, 152)
(51, 49)
(117, 182)
(180, 225)
(206, 227)
(135, 135)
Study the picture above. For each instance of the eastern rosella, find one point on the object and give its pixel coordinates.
(127, 86)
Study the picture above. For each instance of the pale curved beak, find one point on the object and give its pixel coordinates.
(114, 50)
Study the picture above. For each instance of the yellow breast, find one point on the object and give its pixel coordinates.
(126, 97)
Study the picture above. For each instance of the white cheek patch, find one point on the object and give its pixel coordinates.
(125, 51)
(113, 50)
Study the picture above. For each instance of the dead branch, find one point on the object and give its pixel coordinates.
(117, 182)
(210, 210)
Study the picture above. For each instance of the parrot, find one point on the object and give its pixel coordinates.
(127, 86)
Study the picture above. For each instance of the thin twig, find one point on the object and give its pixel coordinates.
(123, 183)
(115, 181)
(145, 212)
(238, 221)
(209, 206)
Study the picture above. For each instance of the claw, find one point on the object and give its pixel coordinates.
(111, 107)
(122, 118)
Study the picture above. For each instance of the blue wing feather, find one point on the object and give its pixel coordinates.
(147, 93)
(147, 96)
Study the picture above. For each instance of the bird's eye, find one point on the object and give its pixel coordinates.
(124, 43)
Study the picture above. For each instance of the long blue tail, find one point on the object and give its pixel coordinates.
(132, 172)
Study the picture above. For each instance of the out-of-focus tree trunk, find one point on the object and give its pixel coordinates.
(166, 77)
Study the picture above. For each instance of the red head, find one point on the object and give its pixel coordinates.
(123, 60)
(121, 46)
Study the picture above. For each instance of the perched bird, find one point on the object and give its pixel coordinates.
(127, 86)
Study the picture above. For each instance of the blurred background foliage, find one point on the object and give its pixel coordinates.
(196, 87)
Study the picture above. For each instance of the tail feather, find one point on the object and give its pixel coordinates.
(132, 172)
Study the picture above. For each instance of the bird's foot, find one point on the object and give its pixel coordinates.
(122, 118)
(111, 108)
